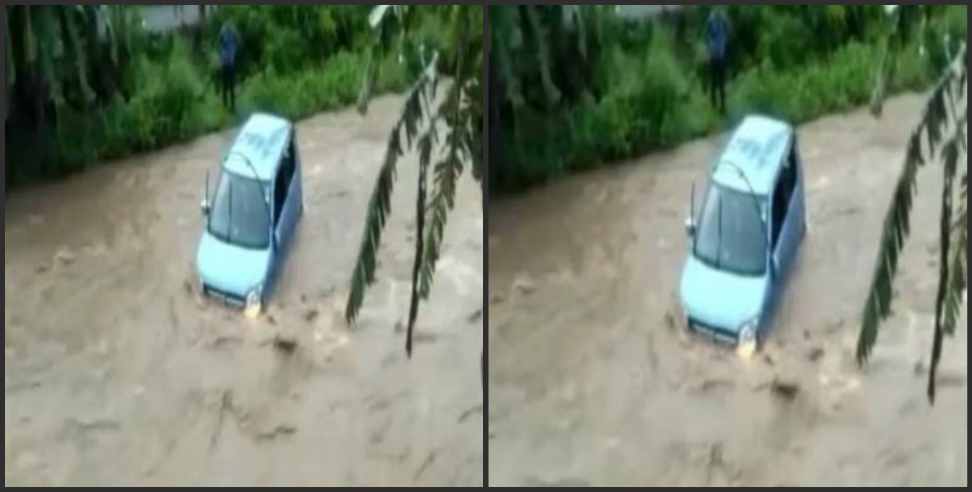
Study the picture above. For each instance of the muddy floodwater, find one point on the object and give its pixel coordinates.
(117, 372)
(593, 379)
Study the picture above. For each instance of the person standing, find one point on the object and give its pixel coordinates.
(717, 42)
(229, 42)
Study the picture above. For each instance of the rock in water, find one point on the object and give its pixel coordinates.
(285, 344)
(785, 389)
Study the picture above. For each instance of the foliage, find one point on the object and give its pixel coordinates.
(548, 63)
(843, 81)
(942, 129)
(158, 90)
(447, 129)
(66, 59)
(290, 38)
(333, 85)
(649, 78)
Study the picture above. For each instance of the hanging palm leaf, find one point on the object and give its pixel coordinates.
(543, 56)
(941, 112)
(379, 206)
(460, 114)
(74, 49)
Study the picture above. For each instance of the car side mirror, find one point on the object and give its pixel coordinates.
(205, 201)
(690, 220)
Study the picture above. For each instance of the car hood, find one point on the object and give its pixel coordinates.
(230, 268)
(719, 298)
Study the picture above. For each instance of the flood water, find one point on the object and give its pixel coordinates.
(117, 372)
(593, 379)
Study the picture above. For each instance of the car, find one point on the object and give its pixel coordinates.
(251, 219)
(745, 240)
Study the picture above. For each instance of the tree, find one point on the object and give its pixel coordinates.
(66, 55)
(942, 129)
(63, 56)
(545, 58)
(430, 125)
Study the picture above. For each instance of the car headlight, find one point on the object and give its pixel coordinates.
(254, 301)
(746, 346)
(747, 334)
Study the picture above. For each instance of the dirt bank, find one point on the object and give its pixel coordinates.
(593, 381)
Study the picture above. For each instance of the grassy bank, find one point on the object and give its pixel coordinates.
(655, 96)
(174, 94)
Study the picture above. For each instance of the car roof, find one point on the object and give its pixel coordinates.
(756, 148)
(262, 141)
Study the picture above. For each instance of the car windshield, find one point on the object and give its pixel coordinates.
(240, 213)
(730, 232)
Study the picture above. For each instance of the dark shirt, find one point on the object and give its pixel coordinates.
(717, 35)
(228, 45)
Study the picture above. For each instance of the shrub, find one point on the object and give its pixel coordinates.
(653, 95)
(301, 60)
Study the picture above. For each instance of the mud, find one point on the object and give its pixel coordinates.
(593, 379)
(117, 371)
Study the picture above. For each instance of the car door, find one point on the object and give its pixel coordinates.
(790, 185)
(291, 201)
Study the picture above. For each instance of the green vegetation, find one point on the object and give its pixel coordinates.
(166, 84)
(647, 88)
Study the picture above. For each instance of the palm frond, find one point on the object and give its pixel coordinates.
(946, 302)
(575, 14)
(897, 221)
(425, 151)
(368, 84)
(49, 46)
(447, 172)
(379, 206)
(502, 57)
(381, 20)
(460, 112)
(73, 45)
(543, 55)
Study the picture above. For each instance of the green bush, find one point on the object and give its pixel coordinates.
(792, 62)
(785, 42)
(302, 60)
(291, 37)
(841, 82)
(333, 85)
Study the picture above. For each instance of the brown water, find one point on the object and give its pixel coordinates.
(117, 373)
(593, 379)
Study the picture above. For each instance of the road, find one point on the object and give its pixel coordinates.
(593, 379)
(118, 373)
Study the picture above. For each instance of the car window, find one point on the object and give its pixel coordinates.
(730, 232)
(240, 214)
